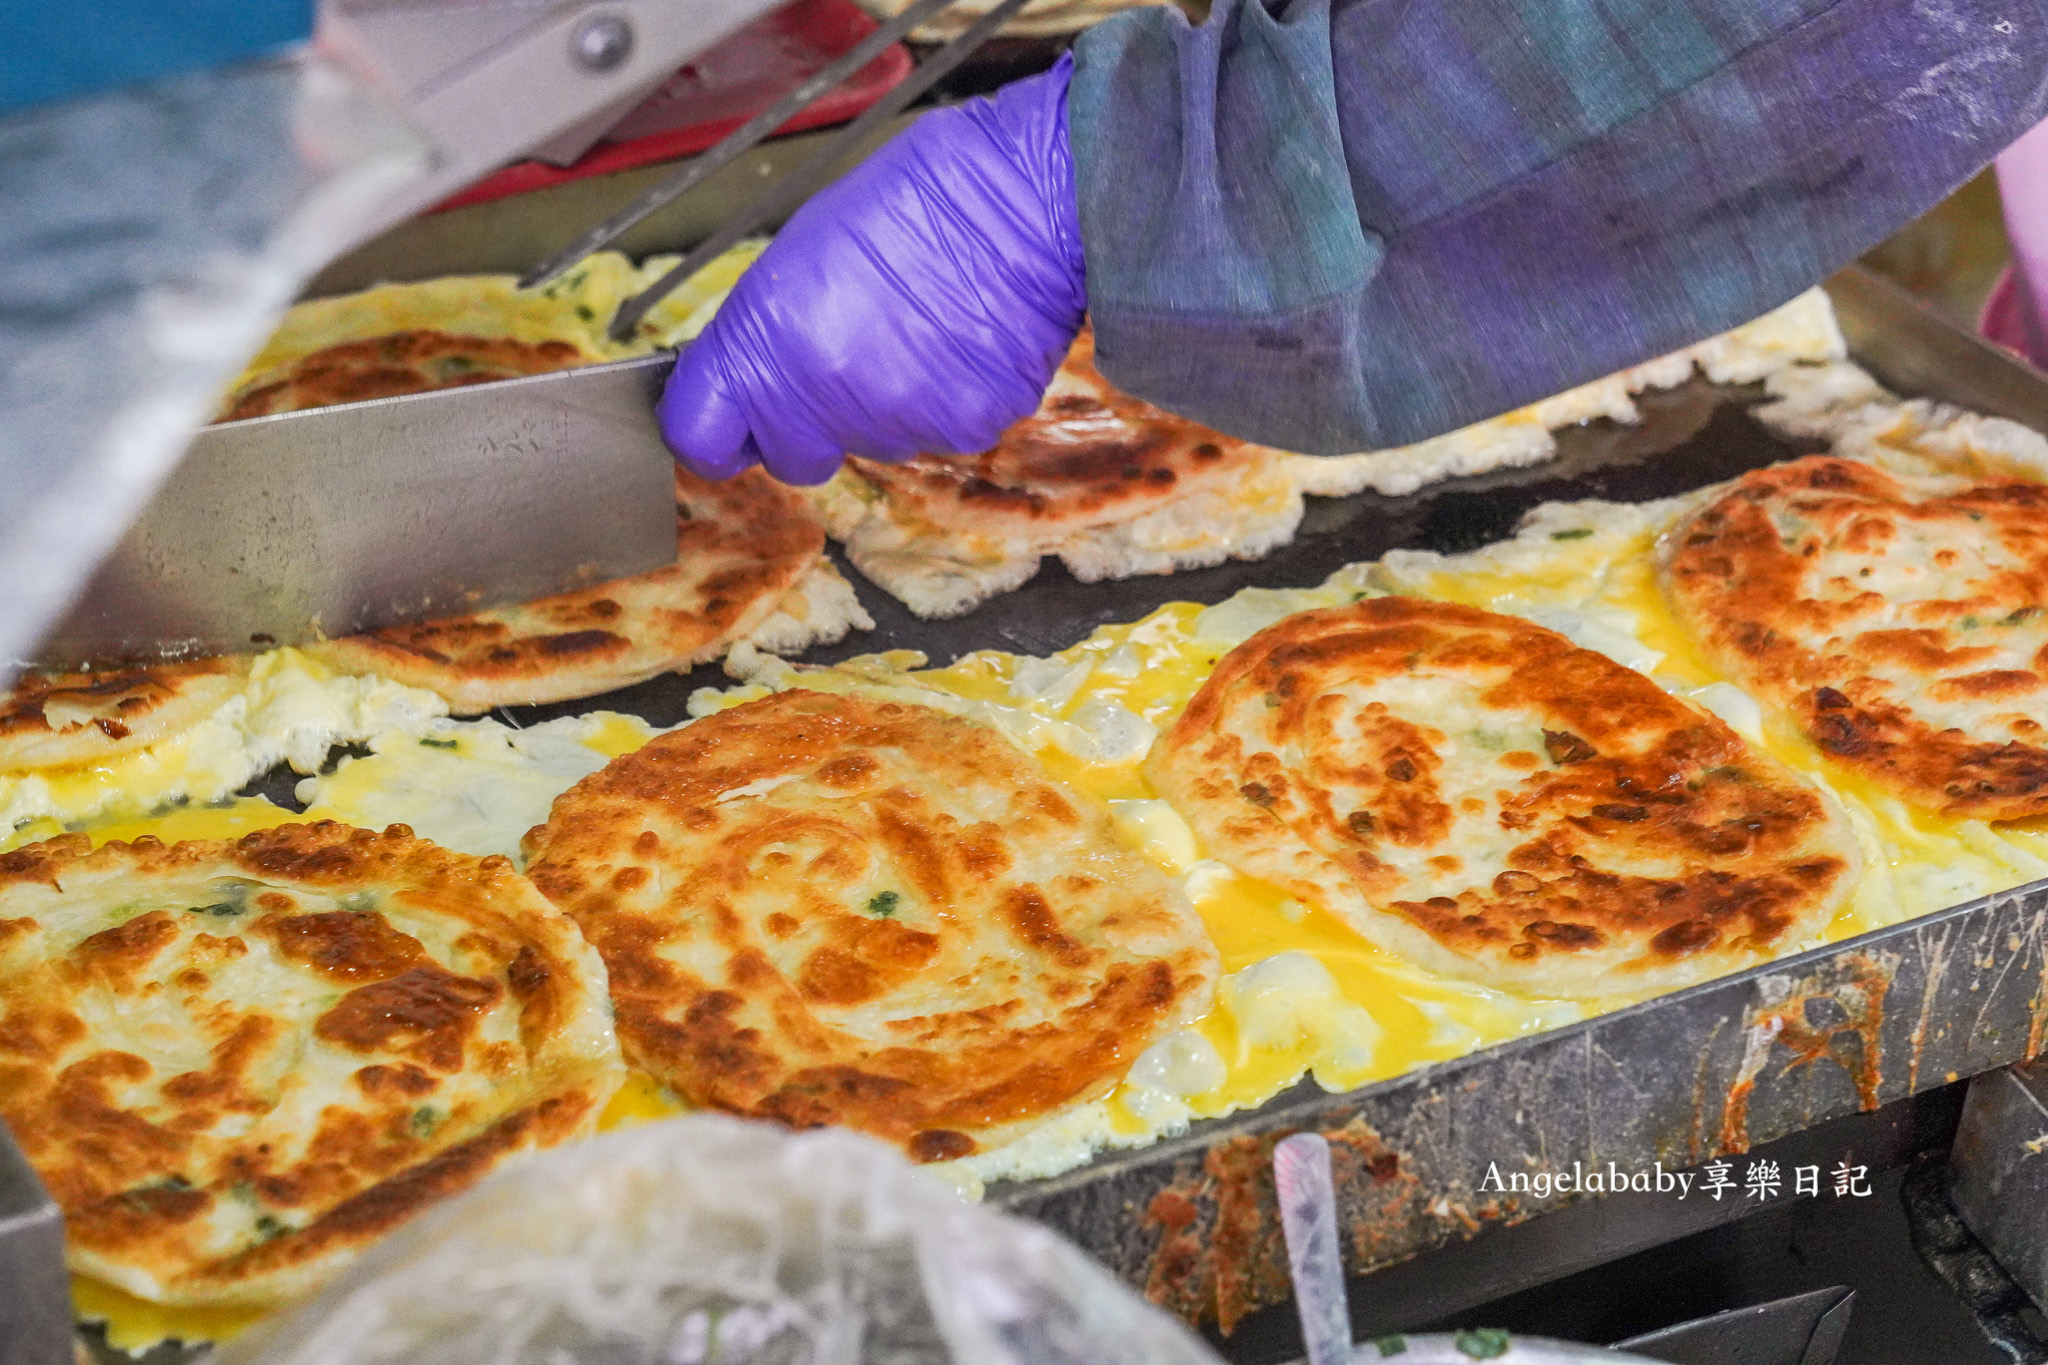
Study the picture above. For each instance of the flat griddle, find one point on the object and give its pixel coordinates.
(1678, 1080)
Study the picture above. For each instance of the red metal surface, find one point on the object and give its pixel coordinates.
(719, 91)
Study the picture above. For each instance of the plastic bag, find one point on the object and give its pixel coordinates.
(707, 1240)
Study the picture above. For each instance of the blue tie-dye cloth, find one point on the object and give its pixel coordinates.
(1341, 225)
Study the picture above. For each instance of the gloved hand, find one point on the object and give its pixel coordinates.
(919, 304)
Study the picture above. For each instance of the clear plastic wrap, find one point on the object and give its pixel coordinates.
(149, 238)
(705, 1239)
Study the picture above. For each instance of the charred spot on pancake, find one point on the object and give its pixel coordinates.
(1687, 936)
(168, 1203)
(1564, 747)
(939, 1144)
(344, 945)
(428, 1012)
(1991, 683)
(119, 953)
(578, 641)
(1564, 936)
(849, 771)
(405, 1079)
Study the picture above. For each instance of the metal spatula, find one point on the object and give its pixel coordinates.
(277, 530)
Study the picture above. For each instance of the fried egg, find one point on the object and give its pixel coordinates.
(283, 708)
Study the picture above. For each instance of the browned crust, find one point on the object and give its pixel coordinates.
(1938, 698)
(1083, 459)
(1631, 779)
(741, 545)
(402, 362)
(139, 1161)
(343, 1231)
(915, 933)
(51, 719)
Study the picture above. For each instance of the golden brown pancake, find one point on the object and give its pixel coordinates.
(1489, 800)
(235, 1064)
(1091, 453)
(402, 362)
(51, 719)
(835, 910)
(741, 546)
(1900, 620)
(1077, 478)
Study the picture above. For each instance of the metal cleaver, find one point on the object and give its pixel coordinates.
(315, 524)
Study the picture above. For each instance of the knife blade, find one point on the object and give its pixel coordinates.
(325, 522)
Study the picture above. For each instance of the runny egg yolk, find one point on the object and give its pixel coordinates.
(229, 819)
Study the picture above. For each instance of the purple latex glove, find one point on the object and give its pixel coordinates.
(919, 304)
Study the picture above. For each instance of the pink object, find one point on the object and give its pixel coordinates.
(719, 91)
(2013, 314)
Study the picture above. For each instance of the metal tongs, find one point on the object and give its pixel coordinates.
(785, 196)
